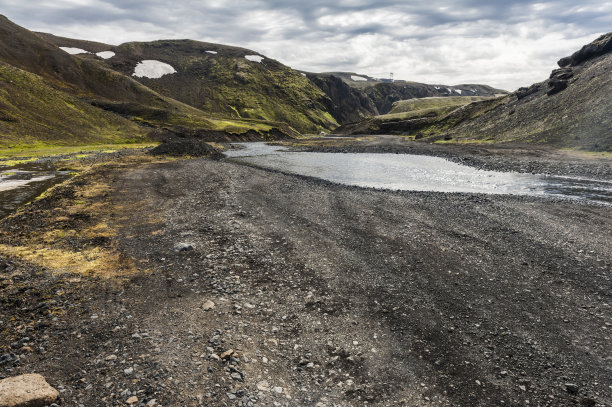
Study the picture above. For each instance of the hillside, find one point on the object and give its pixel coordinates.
(86, 81)
(432, 103)
(345, 103)
(570, 109)
(412, 115)
(34, 113)
(220, 80)
(383, 93)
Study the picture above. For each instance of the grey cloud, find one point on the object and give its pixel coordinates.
(443, 39)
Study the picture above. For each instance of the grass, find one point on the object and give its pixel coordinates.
(79, 236)
(46, 150)
(32, 112)
(434, 103)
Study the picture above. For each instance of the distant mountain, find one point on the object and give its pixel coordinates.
(371, 96)
(569, 109)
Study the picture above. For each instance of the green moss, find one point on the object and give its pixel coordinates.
(433, 103)
(44, 150)
(34, 112)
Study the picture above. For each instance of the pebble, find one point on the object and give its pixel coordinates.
(132, 400)
(571, 388)
(184, 247)
(208, 305)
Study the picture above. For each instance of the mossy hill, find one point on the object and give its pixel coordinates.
(570, 109)
(46, 81)
(34, 113)
(407, 116)
(221, 81)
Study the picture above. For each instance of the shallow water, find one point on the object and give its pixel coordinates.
(417, 173)
(21, 183)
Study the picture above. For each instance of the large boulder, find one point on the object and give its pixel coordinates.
(28, 390)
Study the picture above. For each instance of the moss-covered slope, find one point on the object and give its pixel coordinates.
(429, 103)
(34, 113)
(90, 80)
(220, 81)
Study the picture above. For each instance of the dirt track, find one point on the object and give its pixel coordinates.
(329, 295)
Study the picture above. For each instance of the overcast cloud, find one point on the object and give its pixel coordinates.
(506, 44)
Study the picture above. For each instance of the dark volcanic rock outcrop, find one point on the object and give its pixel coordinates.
(600, 46)
(346, 104)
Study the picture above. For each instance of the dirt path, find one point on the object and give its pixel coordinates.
(329, 295)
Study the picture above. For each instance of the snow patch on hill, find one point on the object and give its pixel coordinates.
(106, 54)
(212, 52)
(254, 58)
(74, 51)
(358, 78)
(152, 69)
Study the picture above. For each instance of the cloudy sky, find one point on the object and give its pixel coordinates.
(503, 43)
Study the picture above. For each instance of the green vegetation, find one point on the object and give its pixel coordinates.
(434, 103)
(32, 112)
(45, 150)
(229, 87)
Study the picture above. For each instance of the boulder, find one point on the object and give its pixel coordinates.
(524, 92)
(28, 390)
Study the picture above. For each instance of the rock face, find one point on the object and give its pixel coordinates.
(600, 46)
(29, 390)
(346, 104)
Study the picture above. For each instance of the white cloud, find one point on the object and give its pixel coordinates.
(504, 44)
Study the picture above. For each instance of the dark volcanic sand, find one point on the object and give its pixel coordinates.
(329, 295)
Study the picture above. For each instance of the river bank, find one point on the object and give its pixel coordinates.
(202, 282)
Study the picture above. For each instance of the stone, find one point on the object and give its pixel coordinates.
(227, 354)
(524, 92)
(208, 305)
(263, 386)
(132, 400)
(28, 390)
(7, 358)
(555, 86)
(571, 388)
(184, 247)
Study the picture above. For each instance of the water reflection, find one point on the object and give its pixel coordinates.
(417, 173)
(21, 183)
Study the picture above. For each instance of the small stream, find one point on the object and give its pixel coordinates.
(21, 183)
(417, 173)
